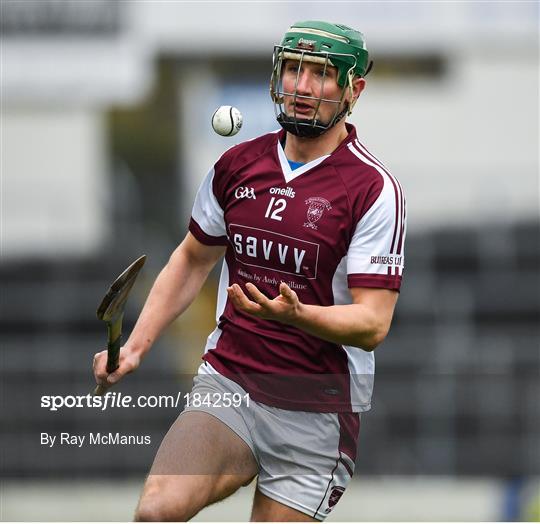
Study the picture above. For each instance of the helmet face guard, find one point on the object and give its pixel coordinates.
(329, 45)
(294, 123)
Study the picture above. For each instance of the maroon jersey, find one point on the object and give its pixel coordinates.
(336, 222)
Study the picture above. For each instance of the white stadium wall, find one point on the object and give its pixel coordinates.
(54, 182)
(464, 145)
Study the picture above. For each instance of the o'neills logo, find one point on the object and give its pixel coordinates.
(315, 211)
(283, 191)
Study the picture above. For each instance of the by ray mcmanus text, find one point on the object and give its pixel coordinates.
(93, 439)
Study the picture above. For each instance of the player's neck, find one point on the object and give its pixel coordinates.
(305, 150)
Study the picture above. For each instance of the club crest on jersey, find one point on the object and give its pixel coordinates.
(245, 192)
(316, 207)
(335, 495)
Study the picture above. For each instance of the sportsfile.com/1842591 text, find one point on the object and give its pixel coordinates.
(116, 399)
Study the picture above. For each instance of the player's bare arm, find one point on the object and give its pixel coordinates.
(174, 290)
(364, 323)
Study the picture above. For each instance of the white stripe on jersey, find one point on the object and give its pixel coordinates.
(340, 288)
(213, 338)
(389, 179)
(402, 197)
(361, 364)
(206, 209)
(369, 154)
(361, 371)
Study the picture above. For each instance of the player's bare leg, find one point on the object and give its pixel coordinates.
(266, 509)
(199, 462)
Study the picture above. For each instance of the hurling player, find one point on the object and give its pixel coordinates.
(311, 226)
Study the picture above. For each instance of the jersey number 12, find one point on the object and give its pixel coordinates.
(278, 206)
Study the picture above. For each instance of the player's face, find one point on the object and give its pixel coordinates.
(307, 79)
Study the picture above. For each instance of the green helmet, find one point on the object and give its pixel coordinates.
(345, 46)
(328, 44)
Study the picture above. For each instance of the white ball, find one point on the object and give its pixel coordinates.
(227, 121)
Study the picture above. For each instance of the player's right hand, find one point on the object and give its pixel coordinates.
(128, 362)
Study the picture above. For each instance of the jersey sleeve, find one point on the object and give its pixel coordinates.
(207, 224)
(375, 256)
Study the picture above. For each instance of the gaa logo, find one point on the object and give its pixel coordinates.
(335, 495)
(245, 192)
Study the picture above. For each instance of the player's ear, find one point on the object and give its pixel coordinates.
(358, 84)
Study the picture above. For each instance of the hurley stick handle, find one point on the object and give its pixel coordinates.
(114, 342)
(100, 390)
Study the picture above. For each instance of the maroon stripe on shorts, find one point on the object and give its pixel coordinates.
(349, 428)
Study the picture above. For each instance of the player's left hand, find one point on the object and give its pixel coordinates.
(284, 308)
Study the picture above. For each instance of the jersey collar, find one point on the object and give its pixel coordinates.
(288, 174)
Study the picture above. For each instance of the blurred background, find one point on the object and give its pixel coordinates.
(105, 137)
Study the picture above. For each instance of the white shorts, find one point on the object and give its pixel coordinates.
(306, 459)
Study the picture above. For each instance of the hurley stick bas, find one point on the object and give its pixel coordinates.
(111, 311)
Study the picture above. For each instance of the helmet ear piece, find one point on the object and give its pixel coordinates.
(349, 86)
(369, 68)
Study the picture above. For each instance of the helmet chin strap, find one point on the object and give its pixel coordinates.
(309, 127)
(305, 128)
